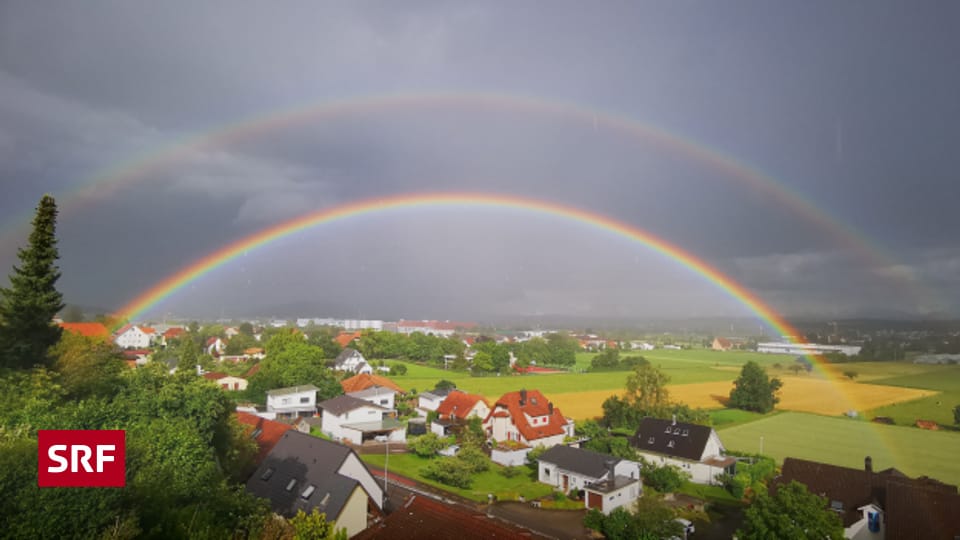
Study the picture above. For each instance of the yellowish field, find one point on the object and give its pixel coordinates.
(804, 394)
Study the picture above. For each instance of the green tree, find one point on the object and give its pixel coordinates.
(754, 390)
(27, 308)
(88, 367)
(246, 329)
(793, 512)
(956, 415)
(850, 374)
(449, 471)
(606, 359)
(647, 388)
(665, 478)
(314, 526)
(240, 343)
(655, 519)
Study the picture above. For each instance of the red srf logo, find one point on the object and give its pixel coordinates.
(82, 458)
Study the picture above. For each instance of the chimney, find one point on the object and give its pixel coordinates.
(523, 397)
(868, 464)
(611, 469)
(674, 419)
(550, 407)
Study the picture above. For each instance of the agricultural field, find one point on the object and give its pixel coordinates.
(845, 442)
(939, 407)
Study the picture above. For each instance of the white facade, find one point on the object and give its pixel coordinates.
(378, 395)
(232, 383)
(133, 337)
(352, 467)
(703, 471)
(293, 401)
(352, 361)
(509, 458)
(333, 424)
(428, 401)
(806, 348)
(860, 530)
(551, 474)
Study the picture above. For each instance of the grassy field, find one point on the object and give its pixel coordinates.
(733, 417)
(938, 408)
(506, 489)
(846, 442)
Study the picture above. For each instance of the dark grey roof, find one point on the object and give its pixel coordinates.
(689, 440)
(345, 403)
(606, 486)
(309, 461)
(585, 462)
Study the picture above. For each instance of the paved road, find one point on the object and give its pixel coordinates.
(560, 524)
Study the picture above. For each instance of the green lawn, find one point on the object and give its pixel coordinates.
(938, 408)
(506, 489)
(683, 367)
(846, 442)
(732, 417)
(715, 494)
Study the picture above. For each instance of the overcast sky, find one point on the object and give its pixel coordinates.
(852, 106)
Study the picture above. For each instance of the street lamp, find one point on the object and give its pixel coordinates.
(386, 463)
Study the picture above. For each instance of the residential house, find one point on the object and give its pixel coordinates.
(460, 406)
(266, 433)
(293, 402)
(254, 352)
(303, 472)
(430, 401)
(356, 421)
(137, 357)
(726, 344)
(227, 382)
(305, 424)
(368, 380)
(215, 346)
(131, 336)
(170, 334)
(642, 346)
(607, 482)
(879, 505)
(229, 332)
(695, 449)
(87, 329)
(345, 339)
(378, 395)
(524, 420)
(350, 360)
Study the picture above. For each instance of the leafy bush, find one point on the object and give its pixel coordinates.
(398, 369)
(511, 472)
(474, 458)
(427, 445)
(664, 479)
(450, 472)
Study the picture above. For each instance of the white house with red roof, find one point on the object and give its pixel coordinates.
(86, 329)
(132, 336)
(460, 406)
(527, 418)
(215, 346)
(174, 332)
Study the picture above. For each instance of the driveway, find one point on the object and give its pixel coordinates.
(560, 524)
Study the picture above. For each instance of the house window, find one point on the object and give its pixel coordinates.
(546, 471)
(308, 492)
(670, 444)
(267, 474)
(285, 401)
(305, 400)
(686, 432)
(256, 433)
(668, 430)
(650, 440)
(291, 484)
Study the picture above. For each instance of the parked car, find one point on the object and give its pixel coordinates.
(688, 529)
(450, 451)
(381, 438)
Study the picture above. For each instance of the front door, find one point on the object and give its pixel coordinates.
(594, 500)
(564, 480)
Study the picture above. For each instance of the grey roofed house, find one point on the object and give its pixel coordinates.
(297, 463)
(437, 392)
(342, 404)
(292, 390)
(686, 441)
(578, 460)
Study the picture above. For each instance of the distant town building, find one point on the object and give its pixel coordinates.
(437, 328)
(352, 361)
(806, 348)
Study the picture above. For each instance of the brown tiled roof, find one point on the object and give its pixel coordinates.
(367, 380)
(421, 517)
(918, 511)
(914, 507)
(215, 375)
(535, 404)
(458, 404)
(270, 432)
(86, 329)
(346, 338)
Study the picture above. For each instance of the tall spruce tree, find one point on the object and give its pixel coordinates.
(27, 308)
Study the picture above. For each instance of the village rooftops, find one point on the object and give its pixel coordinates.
(343, 404)
(292, 390)
(387, 424)
(579, 460)
(677, 439)
(366, 380)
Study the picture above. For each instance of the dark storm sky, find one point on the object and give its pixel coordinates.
(854, 106)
